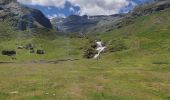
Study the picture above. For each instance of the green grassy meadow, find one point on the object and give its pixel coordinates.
(114, 79)
(141, 72)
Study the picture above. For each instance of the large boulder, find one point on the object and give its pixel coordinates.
(40, 52)
(9, 52)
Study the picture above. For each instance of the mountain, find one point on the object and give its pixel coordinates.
(104, 23)
(75, 23)
(22, 17)
(129, 18)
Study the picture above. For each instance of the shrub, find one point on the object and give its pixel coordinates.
(89, 52)
(117, 45)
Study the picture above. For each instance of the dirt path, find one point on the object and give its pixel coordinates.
(41, 61)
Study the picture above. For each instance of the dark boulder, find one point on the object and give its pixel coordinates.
(40, 52)
(9, 52)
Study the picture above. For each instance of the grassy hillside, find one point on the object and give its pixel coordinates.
(56, 45)
(140, 72)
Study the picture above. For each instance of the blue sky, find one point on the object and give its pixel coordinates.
(50, 11)
(63, 8)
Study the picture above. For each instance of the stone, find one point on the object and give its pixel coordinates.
(9, 52)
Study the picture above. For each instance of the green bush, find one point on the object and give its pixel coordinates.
(117, 45)
(89, 52)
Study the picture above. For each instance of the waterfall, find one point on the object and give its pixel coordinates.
(100, 49)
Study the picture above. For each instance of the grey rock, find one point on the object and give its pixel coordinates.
(82, 24)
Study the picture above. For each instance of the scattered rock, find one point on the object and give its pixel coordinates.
(47, 93)
(40, 52)
(14, 92)
(20, 47)
(9, 52)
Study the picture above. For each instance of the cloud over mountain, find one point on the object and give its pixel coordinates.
(89, 7)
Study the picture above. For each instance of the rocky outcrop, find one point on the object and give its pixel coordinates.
(143, 10)
(74, 23)
(22, 17)
(103, 23)
(157, 6)
(81, 24)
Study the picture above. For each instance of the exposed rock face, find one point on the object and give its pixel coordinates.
(21, 16)
(157, 6)
(74, 23)
(102, 24)
(144, 10)
(81, 24)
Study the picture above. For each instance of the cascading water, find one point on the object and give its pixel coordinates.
(100, 49)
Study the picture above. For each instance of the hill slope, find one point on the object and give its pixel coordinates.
(139, 11)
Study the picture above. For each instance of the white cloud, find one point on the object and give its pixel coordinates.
(57, 3)
(56, 15)
(49, 8)
(71, 9)
(89, 7)
(99, 7)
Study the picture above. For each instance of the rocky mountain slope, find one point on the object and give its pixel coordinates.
(129, 18)
(22, 17)
(81, 24)
(103, 23)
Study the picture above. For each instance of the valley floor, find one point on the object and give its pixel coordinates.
(86, 80)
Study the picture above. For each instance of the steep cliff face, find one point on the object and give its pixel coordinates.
(157, 6)
(76, 23)
(22, 17)
(81, 24)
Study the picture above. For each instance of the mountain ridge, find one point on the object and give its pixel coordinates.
(21, 16)
(80, 24)
(106, 23)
